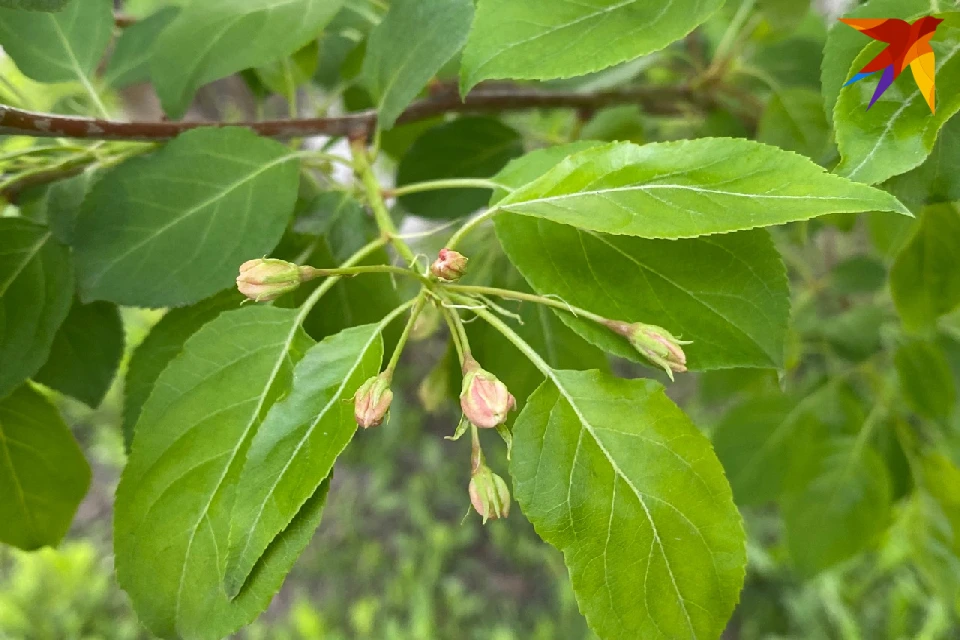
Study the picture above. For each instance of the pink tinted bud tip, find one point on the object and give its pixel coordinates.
(449, 265)
(267, 279)
(372, 401)
(484, 399)
(489, 494)
(654, 343)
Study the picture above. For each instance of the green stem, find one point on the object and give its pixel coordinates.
(328, 284)
(517, 341)
(730, 37)
(355, 271)
(469, 226)
(527, 297)
(454, 183)
(420, 300)
(364, 170)
(454, 333)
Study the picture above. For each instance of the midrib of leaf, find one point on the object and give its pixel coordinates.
(193, 210)
(29, 256)
(896, 116)
(75, 63)
(548, 371)
(334, 398)
(21, 497)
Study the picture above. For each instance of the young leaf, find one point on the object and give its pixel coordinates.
(174, 501)
(727, 294)
(540, 39)
(898, 132)
(163, 344)
(36, 287)
(43, 474)
(301, 437)
(58, 47)
(86, 353)
(690, 188)
(613, 474)
(843, 509)
(172, 228)
(130, 60)
(215, 38)
(924, 280)
(764, 443)
(472, 147)
(409, 46)
(926, 379)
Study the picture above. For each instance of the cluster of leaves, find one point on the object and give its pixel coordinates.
(605, 217)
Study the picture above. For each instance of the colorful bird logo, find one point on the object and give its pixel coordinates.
(909, 44)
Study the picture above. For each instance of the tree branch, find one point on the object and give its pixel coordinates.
(669, 100)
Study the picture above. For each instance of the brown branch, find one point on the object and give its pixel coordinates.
(444, 99)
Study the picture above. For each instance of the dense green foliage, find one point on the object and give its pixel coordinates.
(697, 303)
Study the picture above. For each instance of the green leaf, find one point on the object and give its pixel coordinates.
(409, 46)
(937, 180)
(43, 474)
(926, 379)
(898, 132)
(35, 5)
(784, 15)
(130, 60)
(794, 121)
(299, 441)
(842, 511)
(613, 474)
(58, 47)
(727, 294)
(176, 494)
(690, 188)
(472, 147)
(161, 346)
(540, 39)
(765, 443)
(216, 38)
(858, 274)
(173, 228)
(924, 279)
(286, 74)
(36, 288)
(58, 205)
(86, 353)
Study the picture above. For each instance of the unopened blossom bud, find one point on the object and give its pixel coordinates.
(655, 343)
(489, 494)
(267, 279)
(372, 401)
(449, 265)
(484, 399)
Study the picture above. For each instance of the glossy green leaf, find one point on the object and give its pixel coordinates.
(86, 352)
(215, 38)
(36, 288)
(842, 511)
(172, 228)
(924, 280)
(613, 474)
(35, 5)
(298, 443)
(794, 121)
(130, 60)
(689, 188)
(409, 46)
(43, 474)
(171, 528)
(58, 204)
(765, 443)
(58, 47)
(540, 39)
(163, 344)
(472, 147)
(898, 132)
(937, 180)
(926, 379)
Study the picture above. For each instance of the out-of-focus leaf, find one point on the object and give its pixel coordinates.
(130, 60)
(926, 379)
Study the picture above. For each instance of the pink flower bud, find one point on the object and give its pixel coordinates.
(484, 399)
(372, 401)
(449, 265)
(267, 279)
(655, 343)
(489, 494)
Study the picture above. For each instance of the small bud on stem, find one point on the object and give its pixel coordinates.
(449, 265)
(655, 343)
(489, 494)
(372, 401)
(484, 399)
(267, 279)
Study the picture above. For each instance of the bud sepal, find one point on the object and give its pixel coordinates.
(372, 401)
(449, 266)
(654, 343)
(489, 494)
(484, 399)
(266, 279)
